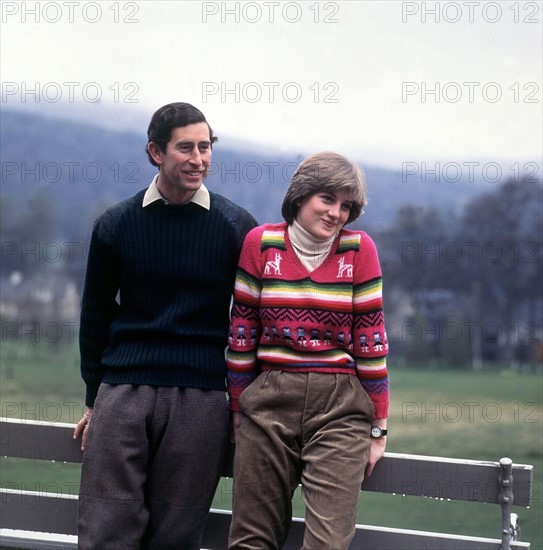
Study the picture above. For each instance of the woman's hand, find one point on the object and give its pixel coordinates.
(236, 421)
(378, 445)
(82, 427)
(376, 452)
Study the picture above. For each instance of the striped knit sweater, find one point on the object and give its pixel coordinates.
(329, 320)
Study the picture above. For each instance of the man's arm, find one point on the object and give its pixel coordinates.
(98, 309)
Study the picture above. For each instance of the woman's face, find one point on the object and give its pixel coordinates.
(324, 213)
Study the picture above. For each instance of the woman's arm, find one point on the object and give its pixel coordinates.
(245, 326)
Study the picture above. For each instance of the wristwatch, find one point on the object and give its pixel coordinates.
(377, 432)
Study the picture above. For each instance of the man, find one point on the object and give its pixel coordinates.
(154, 325)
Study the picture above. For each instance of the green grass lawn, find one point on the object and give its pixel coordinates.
(480, 416)
(474, 415)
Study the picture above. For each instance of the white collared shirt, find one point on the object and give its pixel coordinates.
(201, 197)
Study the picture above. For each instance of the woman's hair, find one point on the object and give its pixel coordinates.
(326, 171)
(168, 117)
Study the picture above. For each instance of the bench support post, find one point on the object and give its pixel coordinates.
(505, 498)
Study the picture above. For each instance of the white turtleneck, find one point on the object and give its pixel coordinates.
(310, 250)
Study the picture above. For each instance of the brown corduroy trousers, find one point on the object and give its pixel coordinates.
(311, 428)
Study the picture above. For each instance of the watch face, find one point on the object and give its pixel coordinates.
(376, 431)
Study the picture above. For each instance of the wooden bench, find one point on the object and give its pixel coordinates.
(48, 520)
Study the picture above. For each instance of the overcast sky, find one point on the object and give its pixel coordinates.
(383, 81)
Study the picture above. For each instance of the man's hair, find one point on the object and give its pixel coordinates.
(326, 171)
(173, 115)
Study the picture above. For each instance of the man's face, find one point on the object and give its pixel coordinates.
(185, 163)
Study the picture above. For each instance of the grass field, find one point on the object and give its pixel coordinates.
(475, 415)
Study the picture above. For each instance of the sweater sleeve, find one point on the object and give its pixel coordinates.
(370, 344)
(98, 307)
(245, 325)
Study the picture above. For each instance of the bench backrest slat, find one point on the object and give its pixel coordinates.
(365, 537)
(38, 511)
(435, 477)
(39, 440)
(402, 474)
(55, 514)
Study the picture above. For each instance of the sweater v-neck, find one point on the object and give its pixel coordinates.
(294, 258)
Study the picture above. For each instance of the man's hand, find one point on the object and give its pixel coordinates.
(82, 427)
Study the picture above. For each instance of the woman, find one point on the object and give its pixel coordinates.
(307, 375)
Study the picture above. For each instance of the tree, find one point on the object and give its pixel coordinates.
(503, 230)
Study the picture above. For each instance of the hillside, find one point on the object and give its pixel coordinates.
(454, 257)
(79, 168)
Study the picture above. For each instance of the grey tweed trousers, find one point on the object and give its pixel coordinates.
(151, 466)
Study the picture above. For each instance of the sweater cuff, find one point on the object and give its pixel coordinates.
(380, 408)
(90, 396)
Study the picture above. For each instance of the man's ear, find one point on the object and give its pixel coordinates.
(155, 152)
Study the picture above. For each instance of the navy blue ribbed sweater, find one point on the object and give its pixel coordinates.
(155, 307)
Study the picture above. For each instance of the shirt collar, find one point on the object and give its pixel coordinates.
(201, 197)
